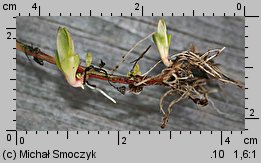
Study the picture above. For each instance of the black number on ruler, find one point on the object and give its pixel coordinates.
(8, 35)
(21, 140)
(8, 137)
(238, 6)
(34, 6)
(137, 6)
(252, 112)
(227, 140)
(123, 140)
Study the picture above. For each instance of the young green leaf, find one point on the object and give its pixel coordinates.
(135, 71)
(162, 41)
(88, 59)
(65, 45)
(69, 67)
(57, 61)
(169, 39)
(66, 60)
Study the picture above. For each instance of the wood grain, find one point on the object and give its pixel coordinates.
(46, 102)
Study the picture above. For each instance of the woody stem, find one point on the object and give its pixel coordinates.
(92, 73)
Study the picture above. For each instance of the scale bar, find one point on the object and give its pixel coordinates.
(252, 16)
(221, 137)
(118, 137)
(252, 118)
(249, 16)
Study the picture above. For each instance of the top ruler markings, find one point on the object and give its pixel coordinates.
(138, 7)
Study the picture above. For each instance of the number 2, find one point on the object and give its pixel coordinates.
(137, 6)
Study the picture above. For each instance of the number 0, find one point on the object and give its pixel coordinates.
(238, 6)
(9, 138)
(21, 140)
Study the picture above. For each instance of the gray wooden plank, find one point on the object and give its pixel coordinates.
(46, 102)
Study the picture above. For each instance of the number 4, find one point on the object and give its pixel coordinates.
(227, 140)
(34, 6)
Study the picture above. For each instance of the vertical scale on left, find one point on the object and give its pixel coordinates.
(8, 65)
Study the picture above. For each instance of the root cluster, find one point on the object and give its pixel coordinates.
(187, 78)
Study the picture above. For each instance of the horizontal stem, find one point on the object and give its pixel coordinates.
(92, 73)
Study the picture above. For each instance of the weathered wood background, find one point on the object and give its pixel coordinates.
(46, 102)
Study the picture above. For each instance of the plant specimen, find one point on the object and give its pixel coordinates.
(186, 74)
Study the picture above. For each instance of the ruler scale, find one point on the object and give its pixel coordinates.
(129, 146)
